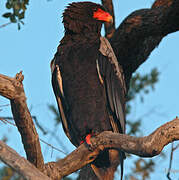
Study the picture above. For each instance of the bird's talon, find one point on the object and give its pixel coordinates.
(89, 146)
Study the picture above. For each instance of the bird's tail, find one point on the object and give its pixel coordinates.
(105, 165)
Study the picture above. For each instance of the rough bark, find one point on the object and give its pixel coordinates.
(27, 170)
(133, 41)
(12, 89)
(142, 31)
(148, 146)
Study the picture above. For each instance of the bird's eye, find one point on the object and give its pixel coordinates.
(95, 9)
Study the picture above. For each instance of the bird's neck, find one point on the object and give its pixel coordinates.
(85, 36)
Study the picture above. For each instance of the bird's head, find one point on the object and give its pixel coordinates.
(85, 16)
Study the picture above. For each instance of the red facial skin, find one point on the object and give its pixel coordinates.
(102, 16)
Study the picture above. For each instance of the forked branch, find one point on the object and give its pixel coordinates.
(20, 164)
(148, 146)
(12, 89)
(132, 41)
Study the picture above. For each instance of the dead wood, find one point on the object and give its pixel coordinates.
(133, 41)
(148, 146)
(27, 170)
(12, 89)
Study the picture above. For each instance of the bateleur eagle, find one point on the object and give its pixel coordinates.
(88, 82)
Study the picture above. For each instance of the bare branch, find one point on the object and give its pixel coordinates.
(133, 41)
(142, 31)
(4, 25)
(5, 121)
(147, 146)
(109, 28)
(12, 88)
(176, 147)
(20, 164)
(39, 126)
(53, 147)
(170, 163)
(171, 159)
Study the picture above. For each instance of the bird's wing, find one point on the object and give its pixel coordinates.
(111, 74)
(57, 85)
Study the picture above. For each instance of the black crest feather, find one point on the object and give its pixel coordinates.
(79, 16)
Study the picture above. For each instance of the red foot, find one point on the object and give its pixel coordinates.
(87, 139)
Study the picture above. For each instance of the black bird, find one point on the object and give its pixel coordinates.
(88, 82)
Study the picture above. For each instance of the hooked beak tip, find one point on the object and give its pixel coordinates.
(110, 20)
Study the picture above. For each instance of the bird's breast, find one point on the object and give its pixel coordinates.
(84, 92)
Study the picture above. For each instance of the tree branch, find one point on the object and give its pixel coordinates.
(132, 41)
(12, 88)
(109, 28)
(20, 164)
(148, 146)
(142, 31)
(171, 159)
(4, 25)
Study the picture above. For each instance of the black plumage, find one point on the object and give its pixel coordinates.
(87, 80)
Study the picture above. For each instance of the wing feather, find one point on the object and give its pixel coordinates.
(112, 75)
(59, 94)
(115, 88)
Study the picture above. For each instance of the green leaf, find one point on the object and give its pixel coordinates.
(22, 22)
(8, 5)
(7, 15)
(55, 111)
(19, 26)
(13, 18)
(16, 12)
(23, 7)
(17, 6)
(21, 15)
(26, 1)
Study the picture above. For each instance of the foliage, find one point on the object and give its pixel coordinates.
(144, 167)
(16, 11)
(7, 173)
(55, 111)
(140, 86)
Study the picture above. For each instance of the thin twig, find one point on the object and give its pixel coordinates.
(176, 147)
(109, 28)
(53, 135)
(4, 105)
(5, 120)
(170, 163)
(53, 147)
(39, 126)
(171, 159)
(4, 25)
